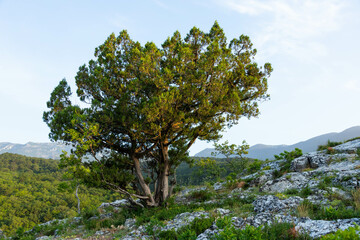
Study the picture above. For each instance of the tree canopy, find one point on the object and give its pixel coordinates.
(147, 105)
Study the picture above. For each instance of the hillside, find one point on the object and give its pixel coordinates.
(262, 151)
(309, 196)
(29, 193)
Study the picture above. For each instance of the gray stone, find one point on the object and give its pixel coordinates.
(310, 160)
(219, 186)
(184, 219)
(130, 223)
(294, 180)
(299, 164)
(318, 228)
(348, 147)
(117, 203)
(270, 203)
(222, 211)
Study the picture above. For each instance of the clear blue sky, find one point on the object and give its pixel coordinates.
(312, 45)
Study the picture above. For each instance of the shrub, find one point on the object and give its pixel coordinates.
(347, 234)
(168, 235)
(305, 192)
(275, 231)
(202, 195)
(329, 144)
(291, 191)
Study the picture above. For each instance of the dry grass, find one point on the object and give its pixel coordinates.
(356, 197)
(303, 210)
(240, 184)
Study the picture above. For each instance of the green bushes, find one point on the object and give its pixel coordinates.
(276, 231)
(287, 157)
(328, 146)
(347, 234)
(191, 231)
(337, 211)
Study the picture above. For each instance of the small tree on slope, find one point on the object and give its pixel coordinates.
(144, 102)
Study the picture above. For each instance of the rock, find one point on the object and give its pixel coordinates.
(294, 180)
(219, 186)
(184, 219)
(267, 218)
(2, 235)
(43, 238)
(222, 212)
(300, 163)
(130, 223)
(270, 203)
(348, 147)
(341, 193)
(318, 228)
(310, 160)
(101, 233)
(209, 233)
(117, 203)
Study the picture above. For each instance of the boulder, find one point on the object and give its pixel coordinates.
(117, 203)
(348, 147)
(270, 203)
(294, 180)
(318, 228)
(310, 160)
(219, 186)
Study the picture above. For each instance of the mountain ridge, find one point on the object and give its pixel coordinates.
(264, 151)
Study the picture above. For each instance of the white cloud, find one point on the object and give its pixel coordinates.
(291, 27)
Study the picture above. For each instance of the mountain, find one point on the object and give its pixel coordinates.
(31, 149)
(262, 151)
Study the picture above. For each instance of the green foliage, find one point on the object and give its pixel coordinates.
(338, 211)
(348, 234)
(209, 169)
(29, 193)
(233, 155)
(288, 157)
(254, 166)
(153, 102)
(305, 192)
(329, 144)
(202, 195)
(292, 191)
(268, 232)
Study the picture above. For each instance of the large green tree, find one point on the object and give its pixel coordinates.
(144, 102)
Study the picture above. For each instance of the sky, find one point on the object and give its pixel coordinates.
(313, 47)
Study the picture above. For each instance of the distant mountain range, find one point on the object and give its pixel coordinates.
(259, 151)
(31, 149)
(262, 151)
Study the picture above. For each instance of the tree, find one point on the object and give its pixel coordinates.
(146, 106)
(233, 155)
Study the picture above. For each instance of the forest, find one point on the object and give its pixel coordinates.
(30, 193)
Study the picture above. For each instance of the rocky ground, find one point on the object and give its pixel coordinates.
(318, 194)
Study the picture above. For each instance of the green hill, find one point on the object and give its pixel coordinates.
(29, 193)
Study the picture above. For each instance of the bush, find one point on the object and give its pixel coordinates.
(276, 231)
(202, 195)
(291, 191)
(329, 144)
(305, 192)
(347, 234)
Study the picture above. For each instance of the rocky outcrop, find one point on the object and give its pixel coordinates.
(270, 203)
(310, 160)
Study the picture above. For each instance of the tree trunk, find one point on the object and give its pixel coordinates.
(173, 183)
(145, 187)
(162, 188)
